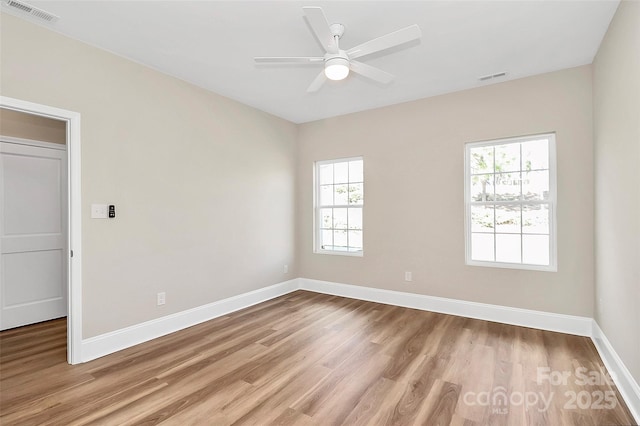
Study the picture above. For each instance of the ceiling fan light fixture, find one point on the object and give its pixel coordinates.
(339, 63)
(336, 68)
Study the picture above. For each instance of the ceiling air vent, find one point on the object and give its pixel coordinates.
(492, 76)
(25, 8)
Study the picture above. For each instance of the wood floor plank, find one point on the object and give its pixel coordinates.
(271, 397)
(18, 398)
(367, 409)
(85, 408)
(347, 392)
(291, 417)
(443, 399)
(185, 391)
(415, 392)
(308, 359)
(209, 411)
(311, 401)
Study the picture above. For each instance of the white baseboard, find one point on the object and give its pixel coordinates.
(107, 343)
(569, 324)
(628, 387)
(104, 344)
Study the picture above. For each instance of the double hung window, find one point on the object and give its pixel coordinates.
(339, 203)
(510, 203)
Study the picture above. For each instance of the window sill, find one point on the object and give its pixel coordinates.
(340, 253)
(521, 266)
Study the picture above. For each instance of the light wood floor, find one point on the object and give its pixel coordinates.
(308, 358)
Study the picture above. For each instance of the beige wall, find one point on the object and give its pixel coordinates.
(414, 207)
(203, 186)
(28, 126)
(617, 178)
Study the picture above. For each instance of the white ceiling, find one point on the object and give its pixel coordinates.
(212, 44)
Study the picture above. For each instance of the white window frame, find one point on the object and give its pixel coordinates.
(552, 202)
(316, 209)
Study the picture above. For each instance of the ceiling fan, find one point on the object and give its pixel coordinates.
(338, 62)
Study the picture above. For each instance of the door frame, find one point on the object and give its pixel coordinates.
(74, 217)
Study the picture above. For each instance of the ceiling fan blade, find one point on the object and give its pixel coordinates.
(317, 82)
(386, 41)
(320, 26)
(375, 74)
(288, 60)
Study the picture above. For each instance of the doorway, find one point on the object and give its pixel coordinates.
(71, 254)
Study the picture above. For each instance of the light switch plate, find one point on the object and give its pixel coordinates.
(99, 211)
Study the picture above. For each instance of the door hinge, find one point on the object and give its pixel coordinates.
(71, 253)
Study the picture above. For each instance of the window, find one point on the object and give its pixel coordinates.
(339, 200)
(510, 202)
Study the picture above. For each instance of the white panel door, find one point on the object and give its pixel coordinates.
(33, 246)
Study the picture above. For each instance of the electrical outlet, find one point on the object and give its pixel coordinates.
(408, 276)
(162, 298)
(286, 269)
